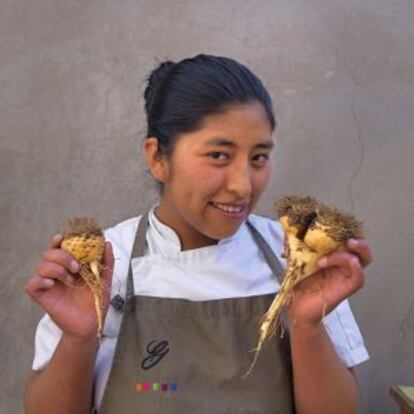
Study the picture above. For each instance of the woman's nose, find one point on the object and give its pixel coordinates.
(239, 181)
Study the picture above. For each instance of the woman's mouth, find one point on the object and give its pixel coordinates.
(232, 211)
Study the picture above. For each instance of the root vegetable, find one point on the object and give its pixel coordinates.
(312, 230)
(83, 238)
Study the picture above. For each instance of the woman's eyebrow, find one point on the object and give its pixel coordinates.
(226, 143)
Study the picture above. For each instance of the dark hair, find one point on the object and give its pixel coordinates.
(179, 95)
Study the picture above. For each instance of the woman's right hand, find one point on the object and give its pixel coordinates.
(60, 290)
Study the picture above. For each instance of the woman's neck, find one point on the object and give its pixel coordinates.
(190, 238)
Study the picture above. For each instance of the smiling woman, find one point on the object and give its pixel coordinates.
(210, 124)
(210, 186)
(193, 276)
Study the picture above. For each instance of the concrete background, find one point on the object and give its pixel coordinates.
(341, 74)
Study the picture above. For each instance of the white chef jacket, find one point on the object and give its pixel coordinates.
(235, 267)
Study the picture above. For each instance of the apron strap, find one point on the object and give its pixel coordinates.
(271, 258)
(274, 264)
(118, 302)
(137, 251)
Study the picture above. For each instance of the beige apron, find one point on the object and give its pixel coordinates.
(176, 356)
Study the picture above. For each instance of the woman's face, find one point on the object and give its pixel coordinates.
(216, 175)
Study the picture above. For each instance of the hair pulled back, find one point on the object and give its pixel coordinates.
(179, 95)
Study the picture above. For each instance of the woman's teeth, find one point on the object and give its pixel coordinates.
(229, 209)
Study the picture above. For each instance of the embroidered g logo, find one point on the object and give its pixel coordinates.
(156, 351)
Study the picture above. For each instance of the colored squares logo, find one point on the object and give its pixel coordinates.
(155, 386)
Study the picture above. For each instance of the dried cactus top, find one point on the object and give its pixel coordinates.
(77, 226)
(306, 213)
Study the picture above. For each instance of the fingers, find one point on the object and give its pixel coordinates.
(55, 265)
(55, 241)
(38, 284)
(341, 259)
(348, 265)
(358, 248)
(63, 258)
(52, 270)
(361, 248)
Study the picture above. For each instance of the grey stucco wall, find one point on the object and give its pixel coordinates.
(71, 120)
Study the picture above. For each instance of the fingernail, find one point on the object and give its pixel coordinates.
(70, 279)
(48, 282)
(353, 242)
(355, 262)
(74, 265)
(323, 262)
(57, 237)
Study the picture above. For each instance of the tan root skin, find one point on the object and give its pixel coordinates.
(302, 262)
(84, 240)
(303, 254)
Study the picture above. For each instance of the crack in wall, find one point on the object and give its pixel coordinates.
(405, 321)
(356, 119)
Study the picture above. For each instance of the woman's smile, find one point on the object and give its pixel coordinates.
(233, 211)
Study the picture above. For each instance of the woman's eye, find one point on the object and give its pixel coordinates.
(217, 155)
(261, 158)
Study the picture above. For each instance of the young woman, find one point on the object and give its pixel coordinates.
(192, 278)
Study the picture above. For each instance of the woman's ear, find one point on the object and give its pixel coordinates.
(157, 163)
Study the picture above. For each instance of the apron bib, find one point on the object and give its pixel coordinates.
(177, 356)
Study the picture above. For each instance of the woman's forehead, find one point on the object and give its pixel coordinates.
(266, 143)
(239, 125)
(253, 113)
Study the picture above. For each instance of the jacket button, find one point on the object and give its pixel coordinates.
(118, 303)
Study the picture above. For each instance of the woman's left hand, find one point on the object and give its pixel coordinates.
(341, 274)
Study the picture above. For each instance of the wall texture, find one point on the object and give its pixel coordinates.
(71, 122)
